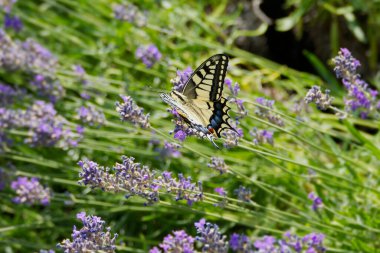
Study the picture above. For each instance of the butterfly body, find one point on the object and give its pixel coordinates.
(200, 104)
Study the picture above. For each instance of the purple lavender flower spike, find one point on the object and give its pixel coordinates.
(91, 116)
(317, 201)
(180, 135)
(13, 22)
(265, 244)
(138, 180)
(210, 237)
(30, 192)
(243, 193)
(46, 128)
(47, 86)
(262, 136)
(360, 100)
(322, 100)
(129, 176)
(218, 164)
(180, 80)
(129, 13)
(155, 250)
(92, 237)
(220, 191)
(129, 111)
(267, 113)
(178, 242)
(8, 94)
(47, 251)
(170, 150)
(149, 55)
(183, 187)
(241, 243)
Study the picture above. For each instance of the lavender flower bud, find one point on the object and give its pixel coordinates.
(129, 13)
(210, 237)
(243, 193)
(129, 111)
(217, 163)
(183, 188)
(13, 22)
(30, 192)
(138, 180)
(180, 80)
(7, 94)
(170, 150)
(49, 87)
(322, 100)
(317, 201)
(92, 237)
(265, 244)
(149, 55)
(178, 242)
(361, 99)
(262, 136)
(240, 243)
(266, 112)
(91, 116)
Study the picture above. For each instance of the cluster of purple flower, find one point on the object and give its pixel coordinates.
(180, 80)
(213, 241)
(91, 116)
(222, 203)
(28, 56)
(361, 99)
(322, 100)
(218, 164)
(243, 193)
(48, 87)
(129, 13)
(231, 138)
(138, 180)
(149, 55)
(178, 242)
(211, 238)
(34, 59)
(8, 94)
(13, 22)
(317, 201)
(266, 111)
(45, 127)
(129, 111)
(30, 191)
(92, 237)
(262, 136)
(234, 89)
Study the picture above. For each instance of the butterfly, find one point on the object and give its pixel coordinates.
(200, 103)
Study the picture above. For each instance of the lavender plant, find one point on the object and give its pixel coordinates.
(148, 54)
(30, 192)
(361, 99)
(92, 237)
(129, 111)
(136, 180)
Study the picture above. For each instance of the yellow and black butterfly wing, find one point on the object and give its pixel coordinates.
(207, 81)
(214, 115)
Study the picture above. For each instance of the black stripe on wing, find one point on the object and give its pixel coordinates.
(219, 118)
(207, 80)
